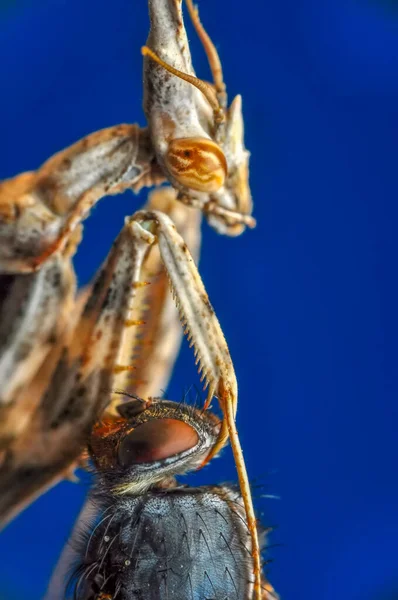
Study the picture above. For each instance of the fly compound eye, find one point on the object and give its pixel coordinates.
(156, 440)
(197, 163)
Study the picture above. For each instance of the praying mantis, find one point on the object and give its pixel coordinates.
(65, 357)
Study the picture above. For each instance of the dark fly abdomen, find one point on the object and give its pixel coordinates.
(178, 544)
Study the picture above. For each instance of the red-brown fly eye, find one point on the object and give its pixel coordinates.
(156, 440)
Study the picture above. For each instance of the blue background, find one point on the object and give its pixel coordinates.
(308, 300)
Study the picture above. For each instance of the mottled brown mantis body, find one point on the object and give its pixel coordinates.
(59, 373)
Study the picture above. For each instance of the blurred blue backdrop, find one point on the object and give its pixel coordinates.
(308, 300)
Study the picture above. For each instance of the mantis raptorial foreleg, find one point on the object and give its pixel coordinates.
(98, 356)
(40, 210)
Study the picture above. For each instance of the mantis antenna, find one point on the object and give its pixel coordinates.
(211, 52)
(206, 89)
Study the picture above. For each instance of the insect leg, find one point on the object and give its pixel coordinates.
(210, 348)
(40, 210)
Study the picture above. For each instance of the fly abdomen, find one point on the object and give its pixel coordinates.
(177, 544)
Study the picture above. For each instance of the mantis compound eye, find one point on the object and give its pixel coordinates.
(156, 440)
(197, 163)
